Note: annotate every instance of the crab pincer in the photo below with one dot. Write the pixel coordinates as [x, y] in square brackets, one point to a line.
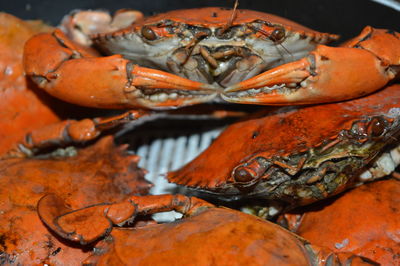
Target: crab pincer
[89, 224]
[78, 74]
[329, 74]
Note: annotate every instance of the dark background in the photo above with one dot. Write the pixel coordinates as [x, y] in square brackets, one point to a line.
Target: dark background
[345, 17]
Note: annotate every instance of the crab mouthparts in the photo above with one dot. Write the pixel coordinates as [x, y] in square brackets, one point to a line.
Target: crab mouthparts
[243, 76]
[224, 65]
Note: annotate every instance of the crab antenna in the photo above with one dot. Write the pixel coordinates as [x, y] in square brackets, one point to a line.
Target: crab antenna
[190, 46]
[233, 16]
[287, 51]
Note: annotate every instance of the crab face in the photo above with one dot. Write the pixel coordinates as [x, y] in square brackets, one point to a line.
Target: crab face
[203, 45]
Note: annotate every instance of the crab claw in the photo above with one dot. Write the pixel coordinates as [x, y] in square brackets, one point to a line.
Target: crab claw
[84, 225]
[328, 74]
[165, 89]
[89, 224]
[79, 75]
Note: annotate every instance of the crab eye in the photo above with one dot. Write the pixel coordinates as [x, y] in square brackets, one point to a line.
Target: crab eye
[278, 34]
[148, 33]
[251, 171]
[242, 175]
[377, 126]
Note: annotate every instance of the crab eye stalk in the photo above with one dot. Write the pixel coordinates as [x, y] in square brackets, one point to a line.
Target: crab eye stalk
[148, 33]
[278, 35]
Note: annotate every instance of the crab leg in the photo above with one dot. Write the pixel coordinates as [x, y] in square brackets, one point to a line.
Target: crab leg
[91, 223]
[78, 75]
[69, 132]
[328, 74]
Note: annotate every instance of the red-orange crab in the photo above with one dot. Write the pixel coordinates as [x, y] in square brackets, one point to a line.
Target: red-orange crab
[364, 221]
[99, 173]
[298, 155]
[185, 57]
[208, 235]
[20, 104]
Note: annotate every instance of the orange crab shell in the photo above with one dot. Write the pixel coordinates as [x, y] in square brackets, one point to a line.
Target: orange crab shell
[20, 103]
[100, 173]
[363, 221]
[219, 17]
[280, 133]
[215, 236]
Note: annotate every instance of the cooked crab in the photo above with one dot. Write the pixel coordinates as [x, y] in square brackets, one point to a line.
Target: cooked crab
[207, 234]
[363, 221]
[20, 102]
[191, 56]
[101, 172]
[298, 155]
[213, 50]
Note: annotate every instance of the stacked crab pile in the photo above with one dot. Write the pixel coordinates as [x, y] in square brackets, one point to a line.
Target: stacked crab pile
[90, 204]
